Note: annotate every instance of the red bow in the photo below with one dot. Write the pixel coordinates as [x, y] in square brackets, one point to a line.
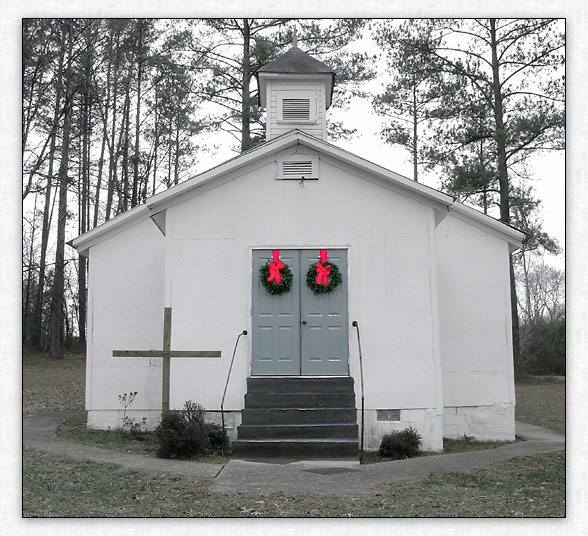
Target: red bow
[275, 267]
[322, 274]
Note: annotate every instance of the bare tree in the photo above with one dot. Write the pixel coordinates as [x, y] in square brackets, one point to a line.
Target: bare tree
[57, 295]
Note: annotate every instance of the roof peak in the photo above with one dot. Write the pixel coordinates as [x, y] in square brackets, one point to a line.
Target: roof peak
[296, 60]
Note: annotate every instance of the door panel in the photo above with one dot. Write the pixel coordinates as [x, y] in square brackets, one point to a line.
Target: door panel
[299, 332]
[276, 320]
[324, 337]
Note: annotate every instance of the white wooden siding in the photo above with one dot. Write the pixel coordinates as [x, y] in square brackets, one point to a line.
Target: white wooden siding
[278, 90]
[475, 326]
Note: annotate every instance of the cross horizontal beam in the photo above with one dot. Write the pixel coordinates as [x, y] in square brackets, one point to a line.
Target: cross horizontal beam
[163, 353]
[166, 353]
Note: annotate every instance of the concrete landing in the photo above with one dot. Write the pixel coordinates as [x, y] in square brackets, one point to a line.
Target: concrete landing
[350, 478]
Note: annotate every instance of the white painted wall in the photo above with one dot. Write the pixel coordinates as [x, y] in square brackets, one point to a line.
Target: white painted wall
[427, 422]
[484, 423]
[390, 241]
[125, 310]
[475, 326]
[277, 89]
[402, 272]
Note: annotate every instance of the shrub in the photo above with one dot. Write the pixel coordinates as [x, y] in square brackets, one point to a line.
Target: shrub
[402, 444]
[134, 429]
[184, 434]
[543, 348]
[217, 437]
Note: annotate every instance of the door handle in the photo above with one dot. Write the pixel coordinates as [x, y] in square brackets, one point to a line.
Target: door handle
[304, 321]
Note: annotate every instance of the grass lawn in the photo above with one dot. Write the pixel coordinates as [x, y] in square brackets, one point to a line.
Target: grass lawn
[55, 486]
[532, 486]
[52, 384]
[74, 429]
[541, 400]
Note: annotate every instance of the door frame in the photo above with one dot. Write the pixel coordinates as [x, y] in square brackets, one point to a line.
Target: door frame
[251, 249]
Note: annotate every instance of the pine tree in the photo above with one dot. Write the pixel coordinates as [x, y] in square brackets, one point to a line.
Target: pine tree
[58, 290]
[409, 102]
[509, 107]
[232, 50]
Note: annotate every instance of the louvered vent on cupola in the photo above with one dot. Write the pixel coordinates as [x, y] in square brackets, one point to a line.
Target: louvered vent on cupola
[296, 90]
[296, 109]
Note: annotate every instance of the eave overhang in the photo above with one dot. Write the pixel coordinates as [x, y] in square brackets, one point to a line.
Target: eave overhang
[153, 207]
[500, 229]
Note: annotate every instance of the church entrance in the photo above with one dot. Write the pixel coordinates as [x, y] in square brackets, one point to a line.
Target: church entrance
[299, 332]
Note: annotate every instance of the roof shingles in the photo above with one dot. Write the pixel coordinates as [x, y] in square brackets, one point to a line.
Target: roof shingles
[296, 61]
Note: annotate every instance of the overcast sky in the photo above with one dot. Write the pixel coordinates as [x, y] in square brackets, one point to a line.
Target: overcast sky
[547, 169]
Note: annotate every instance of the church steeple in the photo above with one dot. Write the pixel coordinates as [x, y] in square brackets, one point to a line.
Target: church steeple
[296, 91]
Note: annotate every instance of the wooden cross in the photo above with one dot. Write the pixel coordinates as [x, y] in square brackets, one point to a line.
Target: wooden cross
[166, 353]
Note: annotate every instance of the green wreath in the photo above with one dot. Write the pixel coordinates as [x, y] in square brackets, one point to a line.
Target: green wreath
[334, 278]
[270, 286]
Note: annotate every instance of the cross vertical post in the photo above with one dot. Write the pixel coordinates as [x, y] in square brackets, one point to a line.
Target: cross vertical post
[166, 354]
[167, 324]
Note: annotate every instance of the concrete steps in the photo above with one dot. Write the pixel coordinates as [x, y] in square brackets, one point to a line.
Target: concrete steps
[298, 400]
[307, 448]
[298, 431]
[298, 416]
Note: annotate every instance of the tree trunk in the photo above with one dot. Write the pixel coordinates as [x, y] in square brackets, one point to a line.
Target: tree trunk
[134, 197]
[104, 141]
[169, 153]
[245, 92]
[177, 155]
[38, 319]
[27, 327]
[57, 297]
[113, 161]
[500, 131]
[124, 198]
[84, 208]
[415, 151]
[38, 343]
[528, 310]
[155, 143]
[99, 181]
[500, 137]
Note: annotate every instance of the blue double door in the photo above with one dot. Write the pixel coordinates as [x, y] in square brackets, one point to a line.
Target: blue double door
[300, 333]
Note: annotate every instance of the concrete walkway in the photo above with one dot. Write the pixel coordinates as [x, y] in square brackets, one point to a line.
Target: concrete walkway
[39, 433]
[293, 475]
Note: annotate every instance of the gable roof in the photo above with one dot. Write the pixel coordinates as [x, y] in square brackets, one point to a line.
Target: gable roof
[157, 204]
[295, 62]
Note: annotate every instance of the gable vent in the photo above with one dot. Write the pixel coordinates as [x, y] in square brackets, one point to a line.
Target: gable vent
[296, 170]
[388, 414]
[296, 109]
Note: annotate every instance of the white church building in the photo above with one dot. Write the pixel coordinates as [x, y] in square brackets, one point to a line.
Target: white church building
[236, 249]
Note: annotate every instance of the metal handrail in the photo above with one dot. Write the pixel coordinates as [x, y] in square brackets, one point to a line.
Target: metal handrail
[244, 332]
[355, 324]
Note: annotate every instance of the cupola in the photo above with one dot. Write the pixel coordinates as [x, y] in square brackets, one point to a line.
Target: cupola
[296, 91]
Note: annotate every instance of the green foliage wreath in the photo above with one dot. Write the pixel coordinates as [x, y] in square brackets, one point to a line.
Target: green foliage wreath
[270, 286]
[334, 278]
